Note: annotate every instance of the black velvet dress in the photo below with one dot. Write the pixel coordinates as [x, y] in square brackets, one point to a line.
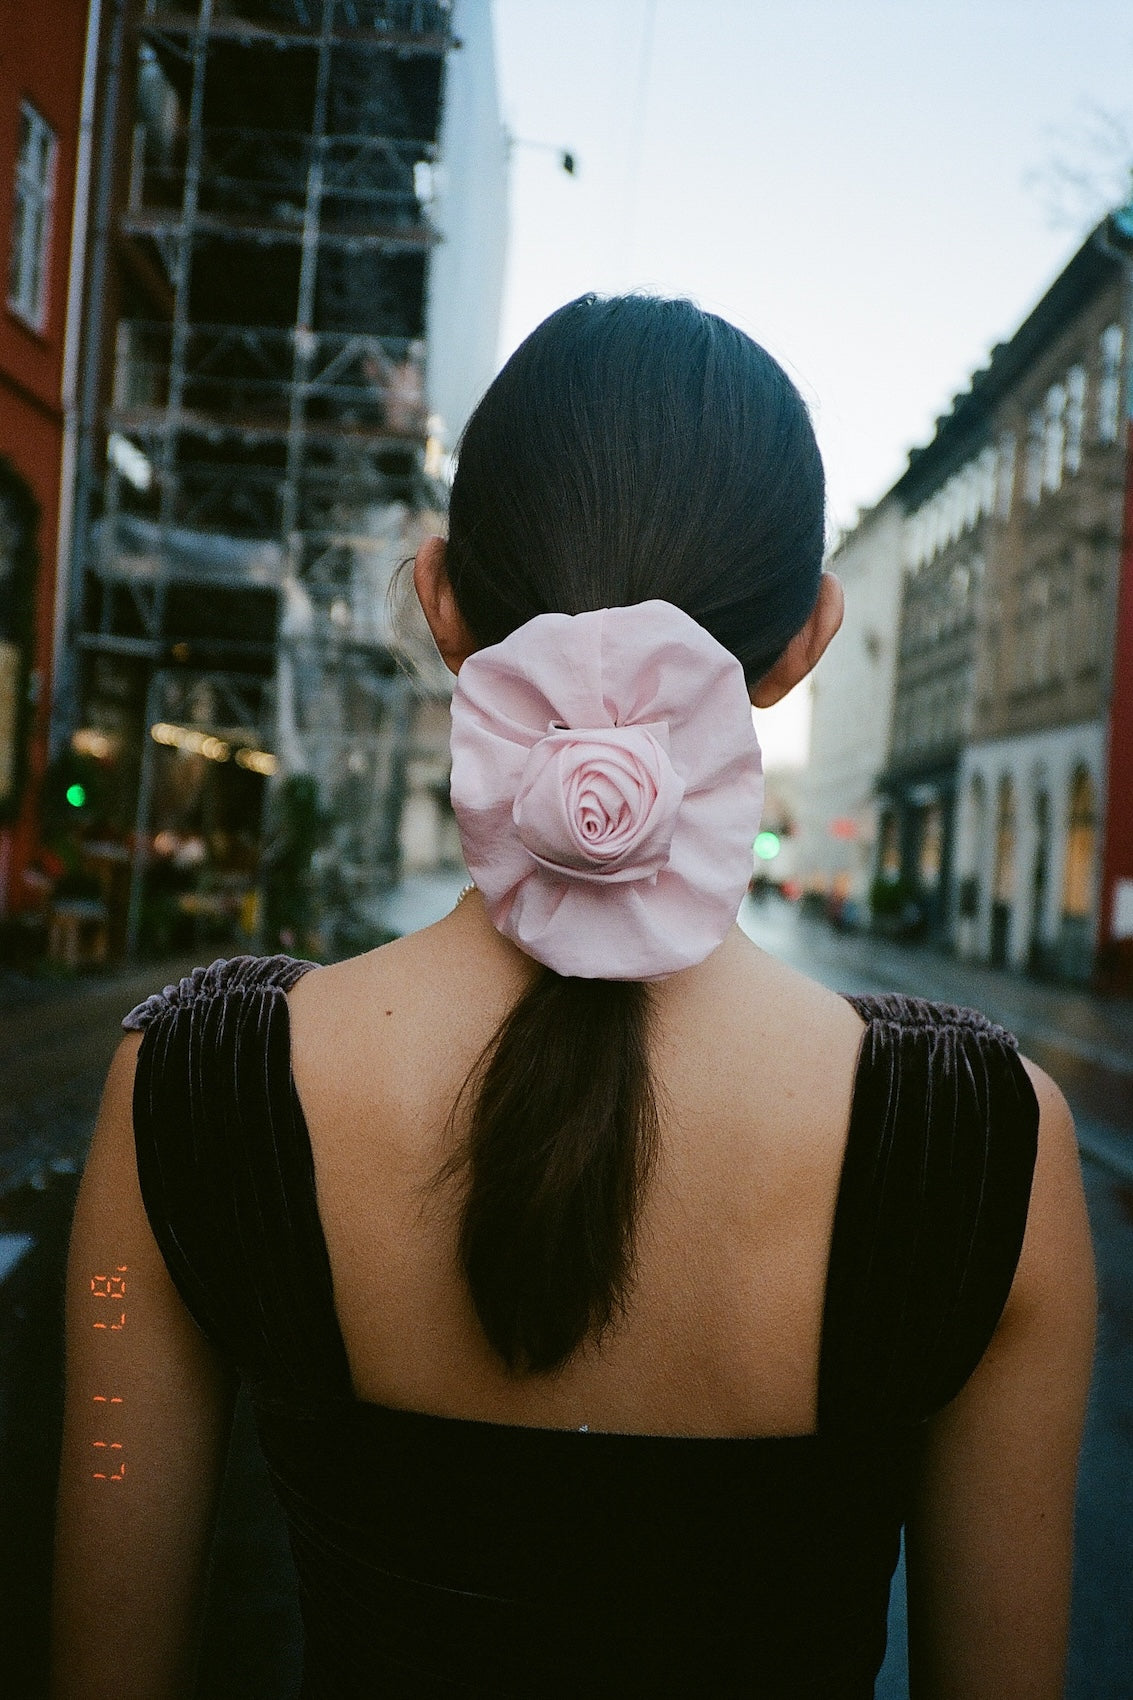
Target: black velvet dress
[447, 1558]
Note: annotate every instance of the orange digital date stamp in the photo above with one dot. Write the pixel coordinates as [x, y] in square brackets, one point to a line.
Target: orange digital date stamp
[112, 1290]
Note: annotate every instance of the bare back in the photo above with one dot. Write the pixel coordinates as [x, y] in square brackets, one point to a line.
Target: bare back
[755, 1069]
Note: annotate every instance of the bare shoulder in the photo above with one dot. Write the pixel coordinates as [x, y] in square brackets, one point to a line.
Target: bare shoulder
[440, 962]
[340, 990]
[1055, 1119]
[750, 1038]
[394, 1018]
[795, 1017]
[1056, 1272]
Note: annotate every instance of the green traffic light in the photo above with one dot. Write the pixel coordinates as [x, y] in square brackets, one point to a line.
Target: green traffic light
[76, 795]
[767, 846]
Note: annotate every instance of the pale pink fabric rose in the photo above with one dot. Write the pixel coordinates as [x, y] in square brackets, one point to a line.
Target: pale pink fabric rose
[607, 784]
[599, 805]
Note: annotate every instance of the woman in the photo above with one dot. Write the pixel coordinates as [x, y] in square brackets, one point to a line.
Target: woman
[610, 1295]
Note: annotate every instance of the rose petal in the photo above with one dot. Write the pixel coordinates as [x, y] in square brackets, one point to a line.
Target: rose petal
[598, 800]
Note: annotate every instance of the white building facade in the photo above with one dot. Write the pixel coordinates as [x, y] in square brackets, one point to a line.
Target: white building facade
[1031, 791]
[852, 693]
[1026, 858]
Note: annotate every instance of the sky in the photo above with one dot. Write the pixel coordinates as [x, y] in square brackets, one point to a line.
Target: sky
[877, 190]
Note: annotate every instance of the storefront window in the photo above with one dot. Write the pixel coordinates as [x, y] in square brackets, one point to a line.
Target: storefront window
[1078, 877]
[1005, 844]
[932, 842]
[976, 825]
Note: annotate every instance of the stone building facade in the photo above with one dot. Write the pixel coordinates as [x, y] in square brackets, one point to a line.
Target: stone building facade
[1033, 776]
[993, 795]
[952, 496]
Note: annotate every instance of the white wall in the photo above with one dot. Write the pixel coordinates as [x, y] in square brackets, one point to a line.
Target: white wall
[852, 697]
[469, 208]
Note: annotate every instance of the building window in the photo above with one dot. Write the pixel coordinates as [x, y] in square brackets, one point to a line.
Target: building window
[1054, 437]
[1075, 416]
[986, 482]
[1004, 887]
[931, 847]
[889, 861]
[1033, 472]
[914, 539]
[960, 588]
[975, 826]
[1005, 475]
[31, 218]
[1078, 874]
[1109, 388]
[968, 492]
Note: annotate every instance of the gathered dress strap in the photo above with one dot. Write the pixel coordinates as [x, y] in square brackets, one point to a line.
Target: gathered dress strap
[931, 1211]
[227, 1176]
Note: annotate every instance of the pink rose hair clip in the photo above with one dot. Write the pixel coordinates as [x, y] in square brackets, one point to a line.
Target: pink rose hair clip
[607, 784]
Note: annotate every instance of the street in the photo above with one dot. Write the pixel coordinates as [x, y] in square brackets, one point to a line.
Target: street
[55, 1042]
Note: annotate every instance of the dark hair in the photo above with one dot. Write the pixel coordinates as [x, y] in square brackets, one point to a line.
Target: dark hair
[631, 448]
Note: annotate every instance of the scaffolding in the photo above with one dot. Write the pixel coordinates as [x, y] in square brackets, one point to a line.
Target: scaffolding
[266, 430]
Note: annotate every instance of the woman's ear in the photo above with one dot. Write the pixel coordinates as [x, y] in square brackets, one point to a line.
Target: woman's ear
[805, 648]
[450, 633]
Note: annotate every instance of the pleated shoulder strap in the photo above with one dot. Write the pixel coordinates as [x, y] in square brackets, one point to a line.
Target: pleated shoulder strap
[931, 1211]
[227, 1176]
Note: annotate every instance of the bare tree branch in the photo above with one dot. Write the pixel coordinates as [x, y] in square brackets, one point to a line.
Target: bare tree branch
[1088, 169]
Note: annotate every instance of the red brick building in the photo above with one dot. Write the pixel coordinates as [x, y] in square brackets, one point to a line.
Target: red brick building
[41, 98]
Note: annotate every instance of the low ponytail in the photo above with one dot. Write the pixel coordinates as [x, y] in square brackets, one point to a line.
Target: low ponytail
[632, 450]
[560, 1144]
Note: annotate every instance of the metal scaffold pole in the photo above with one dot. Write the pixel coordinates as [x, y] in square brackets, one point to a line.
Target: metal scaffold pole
[65, 701]
[167, 466]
